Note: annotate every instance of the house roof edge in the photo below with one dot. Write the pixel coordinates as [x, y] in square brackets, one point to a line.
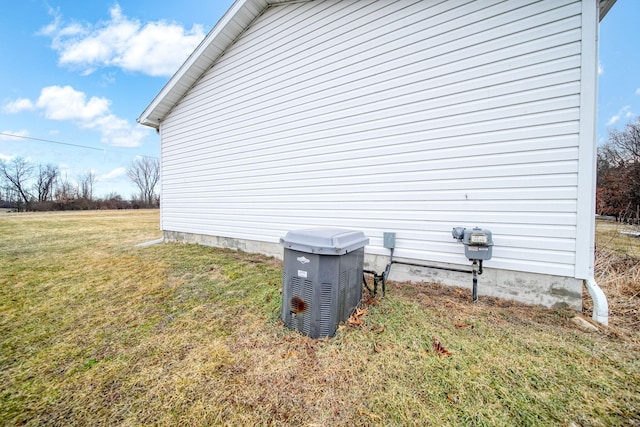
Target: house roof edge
[224, 33]
[605, 6]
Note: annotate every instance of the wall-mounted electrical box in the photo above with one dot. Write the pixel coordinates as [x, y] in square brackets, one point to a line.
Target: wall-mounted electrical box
[389, 240]
[478, 242]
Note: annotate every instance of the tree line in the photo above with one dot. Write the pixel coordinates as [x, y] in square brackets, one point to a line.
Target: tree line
[29, 187]
[618, 169]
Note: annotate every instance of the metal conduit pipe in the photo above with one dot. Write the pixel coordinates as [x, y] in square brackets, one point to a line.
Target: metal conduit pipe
[412, 264]
[477, 243]
[474, 271]
[387, 270]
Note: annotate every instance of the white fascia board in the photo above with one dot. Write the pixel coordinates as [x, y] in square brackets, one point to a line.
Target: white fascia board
[228, 28]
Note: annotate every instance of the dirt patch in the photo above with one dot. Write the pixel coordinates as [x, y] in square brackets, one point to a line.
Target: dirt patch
[457, 304]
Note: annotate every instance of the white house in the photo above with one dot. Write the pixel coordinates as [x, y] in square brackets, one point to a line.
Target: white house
[405, 116]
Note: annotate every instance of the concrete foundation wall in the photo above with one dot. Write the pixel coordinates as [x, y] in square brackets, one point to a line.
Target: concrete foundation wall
[529, 288]
[251, 246]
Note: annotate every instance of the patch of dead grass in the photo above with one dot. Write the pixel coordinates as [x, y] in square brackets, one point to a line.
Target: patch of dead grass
[617, 272]
[102, 333]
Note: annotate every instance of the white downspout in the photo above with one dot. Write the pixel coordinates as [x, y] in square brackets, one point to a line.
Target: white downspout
[600, 304]
[585, 239]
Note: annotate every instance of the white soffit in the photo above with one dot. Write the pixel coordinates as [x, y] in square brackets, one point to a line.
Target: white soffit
[605, 5]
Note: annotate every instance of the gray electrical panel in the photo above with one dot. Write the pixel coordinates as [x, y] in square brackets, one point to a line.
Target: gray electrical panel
[322, 279]
[389, 240]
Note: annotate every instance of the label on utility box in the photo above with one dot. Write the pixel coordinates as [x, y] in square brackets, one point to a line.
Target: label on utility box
[302, 273]
[478, 239]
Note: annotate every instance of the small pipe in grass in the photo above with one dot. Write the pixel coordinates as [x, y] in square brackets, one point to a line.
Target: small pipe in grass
[474, 291]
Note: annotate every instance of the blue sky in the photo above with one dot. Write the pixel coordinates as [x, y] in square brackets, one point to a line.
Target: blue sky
[81, 73]
[619, 73]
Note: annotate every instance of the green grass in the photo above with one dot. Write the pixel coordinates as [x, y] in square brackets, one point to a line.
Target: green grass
[96, 331]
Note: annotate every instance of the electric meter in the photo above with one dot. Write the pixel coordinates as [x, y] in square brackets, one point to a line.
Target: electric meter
[477, 242]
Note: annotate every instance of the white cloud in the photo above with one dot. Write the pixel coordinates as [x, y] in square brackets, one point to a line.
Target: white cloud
[113, 175]
[638, 91]
[600, 68]
[118, 132]
[624, 112]
[5, 157]
[613, 119]
[66, 103]
[154, 48]
[108, 78]
[20, 104]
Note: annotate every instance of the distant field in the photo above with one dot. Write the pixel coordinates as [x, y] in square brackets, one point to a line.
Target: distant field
[611, 235]
[95, 331]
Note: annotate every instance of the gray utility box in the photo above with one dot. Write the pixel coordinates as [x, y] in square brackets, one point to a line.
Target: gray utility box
[322, 279]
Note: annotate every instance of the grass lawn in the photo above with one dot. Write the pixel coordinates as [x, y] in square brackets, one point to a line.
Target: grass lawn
[96, 331]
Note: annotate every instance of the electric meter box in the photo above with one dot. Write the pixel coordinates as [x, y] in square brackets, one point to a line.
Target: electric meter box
[322, 278]
[478, 242]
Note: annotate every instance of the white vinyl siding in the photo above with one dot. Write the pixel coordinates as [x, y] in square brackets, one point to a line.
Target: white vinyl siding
[405, 116]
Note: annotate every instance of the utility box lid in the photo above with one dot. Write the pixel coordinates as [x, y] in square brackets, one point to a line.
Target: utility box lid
[324, 241]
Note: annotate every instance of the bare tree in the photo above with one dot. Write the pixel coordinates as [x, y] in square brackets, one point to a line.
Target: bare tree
[627, 143]
[619, 172]
[64, 192]
[7, 194]
[145, 174]
[85, 185]
[45, 181]
[17, 173]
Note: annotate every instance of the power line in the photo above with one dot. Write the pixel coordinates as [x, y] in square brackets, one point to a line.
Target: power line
[62, 143]
[51, 141]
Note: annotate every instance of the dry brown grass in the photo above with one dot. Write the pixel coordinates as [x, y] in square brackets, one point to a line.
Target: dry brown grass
[617, 272]
[96, 331]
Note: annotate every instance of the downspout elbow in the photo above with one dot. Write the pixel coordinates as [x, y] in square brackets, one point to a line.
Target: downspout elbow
[600, 304]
